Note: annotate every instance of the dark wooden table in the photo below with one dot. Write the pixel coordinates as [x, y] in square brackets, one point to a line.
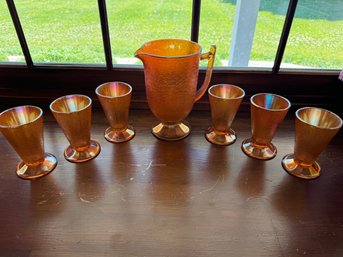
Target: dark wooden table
[188, 198]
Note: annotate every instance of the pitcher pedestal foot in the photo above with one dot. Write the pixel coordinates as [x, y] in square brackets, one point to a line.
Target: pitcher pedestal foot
[171, 132]
[83, 155]
[260, 152]
[25, 171]
[301, 171]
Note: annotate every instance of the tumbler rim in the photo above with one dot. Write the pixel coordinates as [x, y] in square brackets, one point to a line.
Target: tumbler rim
[65, 96]
[112, 97]
[272, 110]
[19, 107]
[322, 109]
[230, 85]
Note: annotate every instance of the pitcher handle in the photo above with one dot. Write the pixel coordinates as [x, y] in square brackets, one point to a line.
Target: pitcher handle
[210, 56]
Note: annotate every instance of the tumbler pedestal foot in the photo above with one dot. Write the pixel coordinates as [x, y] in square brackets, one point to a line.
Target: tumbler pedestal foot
[115, 136]
[220, 138]
[261, 152]
[41, 169]
[298, 170]
[83, 155]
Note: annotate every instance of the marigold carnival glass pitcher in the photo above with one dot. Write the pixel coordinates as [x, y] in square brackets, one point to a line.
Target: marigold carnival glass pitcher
[171, 69]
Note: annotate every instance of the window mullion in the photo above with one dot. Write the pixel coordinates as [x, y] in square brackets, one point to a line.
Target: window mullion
[105, 33]
[284, 35]
[195, 20]
[20, 33]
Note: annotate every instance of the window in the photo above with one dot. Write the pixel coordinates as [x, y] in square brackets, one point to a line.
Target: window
[62, 31]
[132, 23]
[315, 40]
[10, 47]
[247, 33]
[76, 47]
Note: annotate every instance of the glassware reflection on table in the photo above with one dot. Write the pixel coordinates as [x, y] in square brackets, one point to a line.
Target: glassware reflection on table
[23, 128]
[171, 68]
[115, 100]
[267, 112]
[225, 100]
[314, 129]
[73, 114]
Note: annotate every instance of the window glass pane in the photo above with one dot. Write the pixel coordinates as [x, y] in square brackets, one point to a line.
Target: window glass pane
[132, 23]
[316, 36]
[9, 44]
[253, 41]
[62, 30]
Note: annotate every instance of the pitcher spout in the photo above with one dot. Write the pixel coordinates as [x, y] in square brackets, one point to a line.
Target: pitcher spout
[140, 54]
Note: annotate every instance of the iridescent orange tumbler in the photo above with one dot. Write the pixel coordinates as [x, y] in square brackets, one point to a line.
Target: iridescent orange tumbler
[23, 128]
[115, 100]
[267, 112]
[171, 68]
[225, 100]
[314, 129]
[73, 114]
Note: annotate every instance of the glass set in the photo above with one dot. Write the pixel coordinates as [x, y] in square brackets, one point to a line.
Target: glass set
[171, 68]
[23, 128]
[314, 128]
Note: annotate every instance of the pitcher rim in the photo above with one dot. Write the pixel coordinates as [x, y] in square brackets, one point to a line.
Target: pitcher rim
[170, 57]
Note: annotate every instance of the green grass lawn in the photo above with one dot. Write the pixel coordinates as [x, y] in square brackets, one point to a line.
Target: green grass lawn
[69, 31]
